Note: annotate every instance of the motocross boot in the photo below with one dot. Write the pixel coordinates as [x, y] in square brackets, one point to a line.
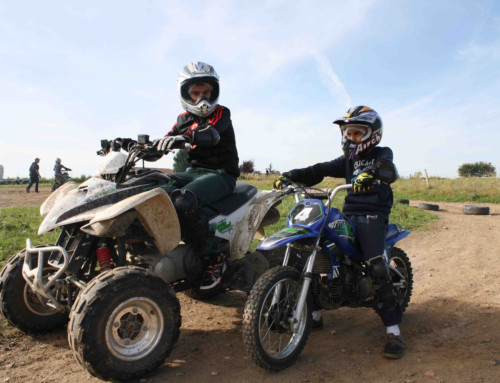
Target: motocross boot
[395, 347]
[382, 284]
[194, 230]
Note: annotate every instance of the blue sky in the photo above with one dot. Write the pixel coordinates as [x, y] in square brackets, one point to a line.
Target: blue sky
[72, 73]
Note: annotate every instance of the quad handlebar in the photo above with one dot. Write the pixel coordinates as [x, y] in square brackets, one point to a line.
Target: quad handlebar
[140, 149]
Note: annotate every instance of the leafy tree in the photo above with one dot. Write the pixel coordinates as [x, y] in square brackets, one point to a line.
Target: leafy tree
[247, 167]
[477, 169]
[181, 162]
[270, 169]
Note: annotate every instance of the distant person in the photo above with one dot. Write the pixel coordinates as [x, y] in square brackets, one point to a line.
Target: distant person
[60, 176]
[34, 175]
[58, 168]
[367, 206]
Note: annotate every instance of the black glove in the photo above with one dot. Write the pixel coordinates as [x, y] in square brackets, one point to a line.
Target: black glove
[284, 180]
[364, 181]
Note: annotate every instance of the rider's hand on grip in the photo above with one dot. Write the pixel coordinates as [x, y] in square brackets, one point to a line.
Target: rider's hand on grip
[166, 143]
[363, 182]
[284, 180]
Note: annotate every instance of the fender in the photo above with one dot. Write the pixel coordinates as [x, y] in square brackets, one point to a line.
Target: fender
[255, 218]
[394, 235]
[286, 235]
[55, 196]
[155, 211]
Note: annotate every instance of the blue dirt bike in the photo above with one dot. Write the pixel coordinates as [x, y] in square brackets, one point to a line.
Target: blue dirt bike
[322, 265]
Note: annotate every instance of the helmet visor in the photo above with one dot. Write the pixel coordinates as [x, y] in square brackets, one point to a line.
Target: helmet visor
[195, 90]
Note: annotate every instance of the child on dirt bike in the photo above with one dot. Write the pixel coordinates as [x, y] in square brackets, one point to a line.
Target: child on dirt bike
[367, 205]
[213, 157]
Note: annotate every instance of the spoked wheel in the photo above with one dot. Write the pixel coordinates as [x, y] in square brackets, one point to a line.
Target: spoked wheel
[20, 305]
[402, 276]
[124, 324]
[271, 339]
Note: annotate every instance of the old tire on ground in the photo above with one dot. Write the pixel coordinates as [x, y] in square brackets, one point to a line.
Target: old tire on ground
[428, 206]
[402, 201]
[399, 260]
[476, 210]
[20, 306]
[124, 324]
[265, 322]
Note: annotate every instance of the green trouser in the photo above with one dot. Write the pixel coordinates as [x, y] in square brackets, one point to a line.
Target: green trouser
[208, 185]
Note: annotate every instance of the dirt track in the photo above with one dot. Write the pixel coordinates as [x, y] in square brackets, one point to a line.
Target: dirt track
[452, 326]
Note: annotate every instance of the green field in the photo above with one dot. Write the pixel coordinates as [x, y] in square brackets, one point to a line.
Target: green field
[17, 224]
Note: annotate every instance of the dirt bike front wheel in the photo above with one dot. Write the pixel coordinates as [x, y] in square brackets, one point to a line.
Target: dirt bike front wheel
[267, 332]
[124, 324]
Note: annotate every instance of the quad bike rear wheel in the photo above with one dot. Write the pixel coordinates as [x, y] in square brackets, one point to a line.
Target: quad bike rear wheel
[124, 324]
[20, 305]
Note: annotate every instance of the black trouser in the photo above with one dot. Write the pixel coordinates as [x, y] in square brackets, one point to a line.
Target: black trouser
[371, 231]
[33, 180]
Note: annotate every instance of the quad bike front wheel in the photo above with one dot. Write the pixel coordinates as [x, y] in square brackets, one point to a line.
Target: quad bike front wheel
[267, 330]
[124, 324]
[20, 305]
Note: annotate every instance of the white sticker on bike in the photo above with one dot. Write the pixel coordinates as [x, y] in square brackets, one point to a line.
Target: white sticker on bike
[304, 214]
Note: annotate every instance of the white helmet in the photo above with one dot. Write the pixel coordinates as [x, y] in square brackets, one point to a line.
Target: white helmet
[198, 73]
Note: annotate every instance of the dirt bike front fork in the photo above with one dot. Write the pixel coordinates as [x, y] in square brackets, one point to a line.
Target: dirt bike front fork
[294, 320]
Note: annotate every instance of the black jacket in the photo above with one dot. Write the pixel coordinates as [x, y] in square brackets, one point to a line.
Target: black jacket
[224, 154]
[34, 170]
[378, 199]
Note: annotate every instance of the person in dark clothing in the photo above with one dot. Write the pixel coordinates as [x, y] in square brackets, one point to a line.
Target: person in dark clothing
[213, 156]
[59, 167]
[367, 205]
[34, 175]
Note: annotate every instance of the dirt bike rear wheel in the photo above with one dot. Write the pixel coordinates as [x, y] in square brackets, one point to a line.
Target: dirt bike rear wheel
[399, 259]
[266, 330]
[124, 324]
[19, 304]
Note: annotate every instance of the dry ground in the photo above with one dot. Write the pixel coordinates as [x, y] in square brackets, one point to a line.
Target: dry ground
[452, 326]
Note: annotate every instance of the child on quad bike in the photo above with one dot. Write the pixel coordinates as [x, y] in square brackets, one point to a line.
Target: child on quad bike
[213, 160]
[367, 206]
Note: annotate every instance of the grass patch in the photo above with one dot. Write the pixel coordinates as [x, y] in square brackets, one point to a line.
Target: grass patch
[17, 224]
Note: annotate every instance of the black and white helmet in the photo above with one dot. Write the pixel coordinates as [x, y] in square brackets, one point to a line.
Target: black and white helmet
[369, 121]
[198, 73]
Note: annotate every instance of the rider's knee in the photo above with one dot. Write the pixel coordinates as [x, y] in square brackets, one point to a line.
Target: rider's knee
[184, 200]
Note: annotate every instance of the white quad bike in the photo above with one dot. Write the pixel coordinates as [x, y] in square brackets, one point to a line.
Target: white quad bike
[119, 261]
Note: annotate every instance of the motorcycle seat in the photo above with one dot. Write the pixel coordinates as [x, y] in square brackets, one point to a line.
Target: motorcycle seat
[242, 193]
